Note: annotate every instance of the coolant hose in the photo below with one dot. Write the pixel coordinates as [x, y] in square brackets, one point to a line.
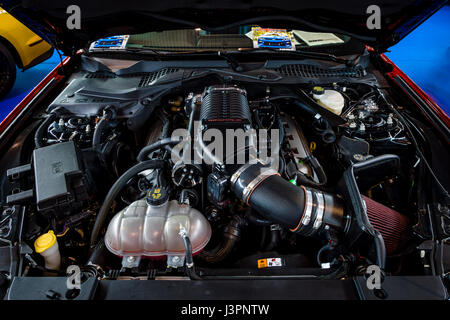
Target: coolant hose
[109, 113]
[190, 268]
[318, 169]
[322, 126]
[99, 128]
[301, 209]
[232, 236]
[147, 150]
[195, 109]
[274, 240]
[115, 190]
[166, 125]
[97, 255]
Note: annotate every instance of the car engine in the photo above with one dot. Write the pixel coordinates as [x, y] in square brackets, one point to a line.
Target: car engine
[212, 180]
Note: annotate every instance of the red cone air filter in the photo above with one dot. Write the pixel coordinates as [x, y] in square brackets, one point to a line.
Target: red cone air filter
[391, 224]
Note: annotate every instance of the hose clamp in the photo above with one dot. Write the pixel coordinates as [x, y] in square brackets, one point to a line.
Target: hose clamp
[238, 172]
[308, 208]
[320, 210]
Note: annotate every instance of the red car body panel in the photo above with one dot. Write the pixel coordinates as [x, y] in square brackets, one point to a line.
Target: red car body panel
[396, 72]
[22, 104]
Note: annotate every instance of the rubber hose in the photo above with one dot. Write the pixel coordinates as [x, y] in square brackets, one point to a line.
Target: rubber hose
[231, 237]
[40, 132]
[39, 136]
[254, 219]
[190, 268]
[322, 250]
[97, 255]
[188, 249]
[115, 190]
[318, 169]
[195, 109]
[224, 251]
[109, 113]
[147, 150]
[327, 134]
[274, 240]
[166, 125]
[99, 128]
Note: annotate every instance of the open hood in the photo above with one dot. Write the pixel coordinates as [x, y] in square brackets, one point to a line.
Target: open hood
[48, 18]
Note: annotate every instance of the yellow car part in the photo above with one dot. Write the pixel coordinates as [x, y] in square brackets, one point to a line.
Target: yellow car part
[27, 48]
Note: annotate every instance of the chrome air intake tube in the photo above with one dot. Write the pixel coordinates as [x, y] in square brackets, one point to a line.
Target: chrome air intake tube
[301, 209]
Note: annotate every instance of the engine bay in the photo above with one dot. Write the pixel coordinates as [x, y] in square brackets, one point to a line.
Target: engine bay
[212, 179]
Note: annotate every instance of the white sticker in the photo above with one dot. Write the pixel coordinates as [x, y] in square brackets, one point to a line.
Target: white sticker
[274, 262]
[317, 38]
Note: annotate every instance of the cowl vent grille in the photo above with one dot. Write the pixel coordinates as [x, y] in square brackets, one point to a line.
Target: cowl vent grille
[146, 78]
[100, 75]
[308, 71]
[149, 78]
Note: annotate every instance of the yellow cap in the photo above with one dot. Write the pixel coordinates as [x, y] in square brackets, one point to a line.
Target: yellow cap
[318, 90]
[45, 241]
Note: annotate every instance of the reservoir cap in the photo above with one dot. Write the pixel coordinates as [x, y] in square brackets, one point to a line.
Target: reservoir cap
[45, 241]
[157, 196]
[318, 90]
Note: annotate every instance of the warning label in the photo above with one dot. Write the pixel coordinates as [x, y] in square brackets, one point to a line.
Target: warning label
[269, 262]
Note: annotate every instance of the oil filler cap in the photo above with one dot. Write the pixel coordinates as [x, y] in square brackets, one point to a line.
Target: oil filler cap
[157, 196]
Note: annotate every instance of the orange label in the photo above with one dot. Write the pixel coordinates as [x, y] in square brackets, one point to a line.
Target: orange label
[262, 263]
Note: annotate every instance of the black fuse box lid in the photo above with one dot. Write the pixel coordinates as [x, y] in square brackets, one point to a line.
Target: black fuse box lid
[55, 167]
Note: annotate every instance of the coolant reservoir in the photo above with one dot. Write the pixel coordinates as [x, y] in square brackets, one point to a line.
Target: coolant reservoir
[330, 99]
[153, 230]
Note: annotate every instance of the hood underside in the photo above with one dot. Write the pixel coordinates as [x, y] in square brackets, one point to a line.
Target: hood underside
[105, 18]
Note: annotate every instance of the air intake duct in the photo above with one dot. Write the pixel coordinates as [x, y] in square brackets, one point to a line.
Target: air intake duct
[301, 209]
[392, 225]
